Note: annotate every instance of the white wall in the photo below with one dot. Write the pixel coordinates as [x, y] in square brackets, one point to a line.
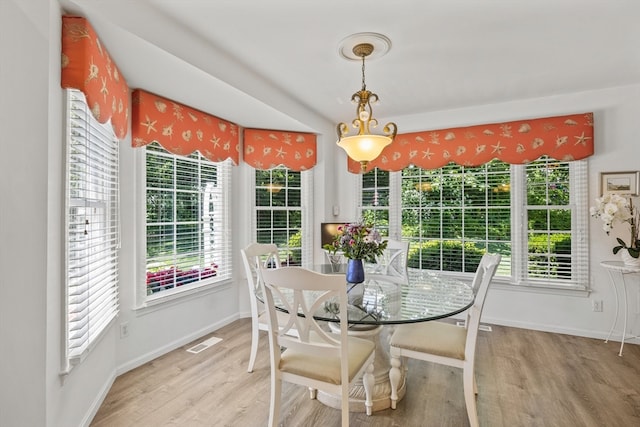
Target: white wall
[24, 146]
[31, 250]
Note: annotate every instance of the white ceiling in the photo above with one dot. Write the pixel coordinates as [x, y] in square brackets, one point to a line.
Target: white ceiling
[275, 63]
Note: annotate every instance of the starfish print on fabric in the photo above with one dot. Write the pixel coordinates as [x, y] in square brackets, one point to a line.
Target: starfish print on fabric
[427, 154]
[497, 148]
[582, 139]
[215, 140]
[280, 152]
[150, 124]
[104, 90]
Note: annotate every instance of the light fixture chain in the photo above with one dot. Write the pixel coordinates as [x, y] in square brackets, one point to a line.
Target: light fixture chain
[364, 86]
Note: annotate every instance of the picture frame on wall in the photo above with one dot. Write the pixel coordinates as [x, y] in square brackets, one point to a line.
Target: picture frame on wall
[624, 183]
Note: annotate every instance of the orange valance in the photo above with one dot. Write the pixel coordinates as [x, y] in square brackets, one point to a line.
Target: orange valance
[87, 66]
[181, 129]
[266, 149]
[563, 138]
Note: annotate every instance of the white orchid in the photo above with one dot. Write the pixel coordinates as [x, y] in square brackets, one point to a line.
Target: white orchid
[612, 209]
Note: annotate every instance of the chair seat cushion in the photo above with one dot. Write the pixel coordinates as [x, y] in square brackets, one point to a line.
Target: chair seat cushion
[326, 369]
[439, 338]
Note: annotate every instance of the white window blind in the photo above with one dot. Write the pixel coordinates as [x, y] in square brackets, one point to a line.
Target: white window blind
[375, 198]
[92, 227]
[188, 223]
[535, 215]
[453, 215]
[555, 207]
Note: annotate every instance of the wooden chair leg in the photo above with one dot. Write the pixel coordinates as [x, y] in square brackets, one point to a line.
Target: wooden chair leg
[275, 401]
[254, 346]
[368, 380]
[395, 375]
[470, 397]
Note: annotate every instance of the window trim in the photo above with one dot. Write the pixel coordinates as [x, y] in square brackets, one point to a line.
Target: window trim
[518, 281]
[108, 285]
[145, 303]
[306, 202]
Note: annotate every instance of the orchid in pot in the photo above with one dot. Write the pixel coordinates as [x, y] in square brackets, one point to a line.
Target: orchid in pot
[614, 208]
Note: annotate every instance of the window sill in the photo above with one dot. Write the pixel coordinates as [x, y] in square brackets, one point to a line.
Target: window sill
[179, 296]
[541, 288]
[532, 287]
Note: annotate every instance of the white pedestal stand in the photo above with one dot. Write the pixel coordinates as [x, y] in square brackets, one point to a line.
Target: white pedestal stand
[618, 269]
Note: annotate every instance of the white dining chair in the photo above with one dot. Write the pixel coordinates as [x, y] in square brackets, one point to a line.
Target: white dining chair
[317, 358]
[446, 343]
[254, 256]
[393, 261]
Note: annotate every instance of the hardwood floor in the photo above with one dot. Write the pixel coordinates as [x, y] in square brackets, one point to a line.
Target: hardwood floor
[525, 378]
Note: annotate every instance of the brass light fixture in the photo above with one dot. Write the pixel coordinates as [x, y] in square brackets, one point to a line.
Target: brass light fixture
[364, 147]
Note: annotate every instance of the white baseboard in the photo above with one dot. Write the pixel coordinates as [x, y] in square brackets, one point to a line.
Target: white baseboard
[139, 361]
[586, 333]
[95, 405]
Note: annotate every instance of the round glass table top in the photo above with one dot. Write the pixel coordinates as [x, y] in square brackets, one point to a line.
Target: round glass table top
[379, 300]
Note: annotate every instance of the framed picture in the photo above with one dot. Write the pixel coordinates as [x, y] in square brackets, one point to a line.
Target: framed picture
[619, 183]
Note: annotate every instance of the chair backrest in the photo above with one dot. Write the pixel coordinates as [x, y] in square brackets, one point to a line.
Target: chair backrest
[393, 261]
[484, 274]
[304, 293]
[254, 256]
[397, 253]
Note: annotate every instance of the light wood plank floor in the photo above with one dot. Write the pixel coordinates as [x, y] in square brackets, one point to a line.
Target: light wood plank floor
[525, 378]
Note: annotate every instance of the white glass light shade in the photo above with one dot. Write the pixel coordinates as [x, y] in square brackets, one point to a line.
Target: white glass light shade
[364, 148]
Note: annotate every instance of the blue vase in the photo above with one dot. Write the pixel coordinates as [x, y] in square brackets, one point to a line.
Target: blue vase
[355, 271]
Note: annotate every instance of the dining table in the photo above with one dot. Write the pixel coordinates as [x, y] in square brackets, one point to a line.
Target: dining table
[379, 303]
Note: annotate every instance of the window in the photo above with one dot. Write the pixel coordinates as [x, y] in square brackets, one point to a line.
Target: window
[453, 215]
[534, 215]
[282, 203]
[187, 221]
[92, 229]
[375, 199]
[555, 207]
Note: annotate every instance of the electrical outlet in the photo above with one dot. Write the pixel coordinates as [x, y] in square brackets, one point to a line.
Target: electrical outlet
[597, 305]
[124, 329]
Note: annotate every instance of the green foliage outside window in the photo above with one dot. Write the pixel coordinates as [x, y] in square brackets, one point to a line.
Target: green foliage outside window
[454, 214]
[278, 195]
